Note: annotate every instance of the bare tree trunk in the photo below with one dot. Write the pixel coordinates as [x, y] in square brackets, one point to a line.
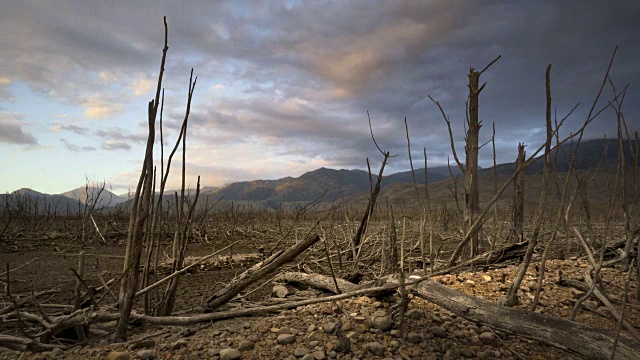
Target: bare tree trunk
[139, 215]
[517, 234]
[471, 196]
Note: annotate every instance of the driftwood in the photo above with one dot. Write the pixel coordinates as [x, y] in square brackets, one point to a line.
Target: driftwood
[570, 336]
[228, 293]
[317, 281]
[490, 258]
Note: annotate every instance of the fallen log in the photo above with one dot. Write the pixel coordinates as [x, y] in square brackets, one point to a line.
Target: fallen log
[228, 293]
[316, 281]
[490, 257]
[570, 336]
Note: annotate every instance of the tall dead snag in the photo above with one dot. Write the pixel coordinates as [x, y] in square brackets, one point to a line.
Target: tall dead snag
[511, 298]
[517, 233]
[139, 214]
[362, 229]
[470, 169]
[471, 195]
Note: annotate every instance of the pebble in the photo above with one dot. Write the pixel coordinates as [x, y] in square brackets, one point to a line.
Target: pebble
[246, 345]
[329, 328]
[415, 314]
[300, 351]
[488, 338]
[280, 291]
[230, 354]
[375, 347]
[414, 337]
[319, 355]
[118, 355]
[381, 320]
[285, 339]
[439, 331]
[178, 344]
[146, 354]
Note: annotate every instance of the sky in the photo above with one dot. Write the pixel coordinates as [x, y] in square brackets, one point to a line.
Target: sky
[284, 86]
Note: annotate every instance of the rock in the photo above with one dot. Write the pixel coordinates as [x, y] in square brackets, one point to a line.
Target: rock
[327, 310]
[146, 344]
[532, 285]
[488, 338]
[300, 351]
[285, 339]
[347, 326]
[146, 354]
[230, 354]
[466, 352]
[57, 352]
[414, 337]
[415, 314]
[470, 283]
[486, 278]
[280, 291]
[178, 344]
[362, 328]
[329, 328]
[319, 355]
[439, 331]
[375, 347]
[213, 352]
[103, 343]
[381, 320]
[246, 345]
[118, 355]
[308, 357]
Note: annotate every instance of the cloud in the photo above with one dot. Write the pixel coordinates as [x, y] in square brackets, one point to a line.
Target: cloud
[76, 148]
[12, 131]
[57, 127]
[143, 86]
[5, 93]
[115, 145]
[295, 82]
[117, 139]
[97, 108]
[119, 134]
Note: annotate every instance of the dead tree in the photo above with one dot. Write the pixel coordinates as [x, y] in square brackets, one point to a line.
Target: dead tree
[470, 169]
[517, 233]
[139, 214]
[373, 196]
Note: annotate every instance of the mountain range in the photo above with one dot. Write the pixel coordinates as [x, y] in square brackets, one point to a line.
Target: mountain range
[331, 184]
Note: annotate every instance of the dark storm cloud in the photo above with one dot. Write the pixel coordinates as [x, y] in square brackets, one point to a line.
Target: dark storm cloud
[301, 78]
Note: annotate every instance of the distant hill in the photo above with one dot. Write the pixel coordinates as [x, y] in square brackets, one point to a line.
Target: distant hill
[344, 184]
[85, 195]
[590, 154]
[25, 199]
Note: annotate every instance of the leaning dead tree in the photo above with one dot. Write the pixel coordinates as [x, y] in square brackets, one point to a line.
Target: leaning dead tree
[373, 197]
[471, 148]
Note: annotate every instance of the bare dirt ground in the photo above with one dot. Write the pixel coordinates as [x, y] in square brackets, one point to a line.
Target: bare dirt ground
[315, 331]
